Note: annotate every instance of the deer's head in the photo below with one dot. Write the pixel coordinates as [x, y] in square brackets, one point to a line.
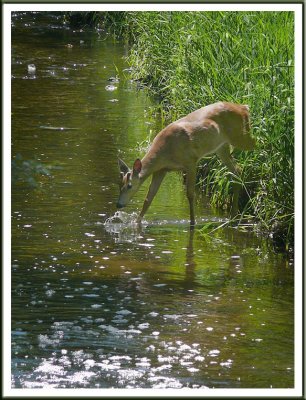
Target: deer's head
[129, 181]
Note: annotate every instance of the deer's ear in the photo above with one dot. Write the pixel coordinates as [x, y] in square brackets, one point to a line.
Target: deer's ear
[123, 167]
[137, 167]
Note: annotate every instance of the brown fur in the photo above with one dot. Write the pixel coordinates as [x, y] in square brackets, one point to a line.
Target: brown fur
[180, 146]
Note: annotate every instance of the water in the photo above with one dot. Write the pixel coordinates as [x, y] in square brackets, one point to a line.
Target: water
[97, 301]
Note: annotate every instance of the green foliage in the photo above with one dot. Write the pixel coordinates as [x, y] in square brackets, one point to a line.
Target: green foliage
[30, 172]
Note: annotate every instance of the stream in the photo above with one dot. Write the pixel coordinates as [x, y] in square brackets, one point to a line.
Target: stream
[98, 302]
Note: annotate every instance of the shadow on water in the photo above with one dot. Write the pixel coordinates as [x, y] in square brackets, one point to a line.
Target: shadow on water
[97, 301]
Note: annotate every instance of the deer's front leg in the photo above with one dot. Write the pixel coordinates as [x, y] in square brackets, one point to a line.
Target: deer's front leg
[190, 183]
[157, 179]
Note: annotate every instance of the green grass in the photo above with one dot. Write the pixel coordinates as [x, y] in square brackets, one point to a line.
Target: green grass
[191, 59]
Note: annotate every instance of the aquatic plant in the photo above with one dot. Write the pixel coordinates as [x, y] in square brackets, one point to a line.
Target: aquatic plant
[30, 172]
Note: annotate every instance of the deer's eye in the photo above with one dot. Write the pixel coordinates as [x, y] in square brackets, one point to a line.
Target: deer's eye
[129, 186]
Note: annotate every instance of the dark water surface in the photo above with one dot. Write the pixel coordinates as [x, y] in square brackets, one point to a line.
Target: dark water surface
[101, 305]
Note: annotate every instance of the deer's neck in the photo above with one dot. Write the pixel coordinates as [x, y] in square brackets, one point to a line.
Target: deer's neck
[151, 163]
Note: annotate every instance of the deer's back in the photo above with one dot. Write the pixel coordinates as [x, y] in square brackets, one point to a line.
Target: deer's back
[201, 132]
[228, 122]
[223, 113]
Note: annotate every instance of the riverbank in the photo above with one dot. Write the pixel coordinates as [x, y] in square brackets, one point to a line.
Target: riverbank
[190, 59]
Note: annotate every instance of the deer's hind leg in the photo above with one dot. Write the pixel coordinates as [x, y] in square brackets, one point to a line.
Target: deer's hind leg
[225, 156]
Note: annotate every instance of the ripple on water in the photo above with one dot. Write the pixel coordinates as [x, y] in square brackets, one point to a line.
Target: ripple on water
[95, 306]
[78, 368]
[124, 312]
[214, 353]
[143, 362]
[126, 376]
[81, 377]
[119, 320]
[144, 325]
[47, 367]
[46, 341]
[162, 382]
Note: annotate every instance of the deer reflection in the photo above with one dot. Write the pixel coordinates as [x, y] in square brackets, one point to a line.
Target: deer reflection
[123, 232]
[190, 274]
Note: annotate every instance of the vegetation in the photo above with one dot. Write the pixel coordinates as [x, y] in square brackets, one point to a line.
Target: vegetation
[30, 172]
[190, 59]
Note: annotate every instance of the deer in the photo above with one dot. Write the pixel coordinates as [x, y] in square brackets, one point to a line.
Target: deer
[212, 129]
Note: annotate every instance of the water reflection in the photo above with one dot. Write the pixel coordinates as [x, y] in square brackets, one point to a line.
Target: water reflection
[190, 261]
[97, 300]
[150, 323]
